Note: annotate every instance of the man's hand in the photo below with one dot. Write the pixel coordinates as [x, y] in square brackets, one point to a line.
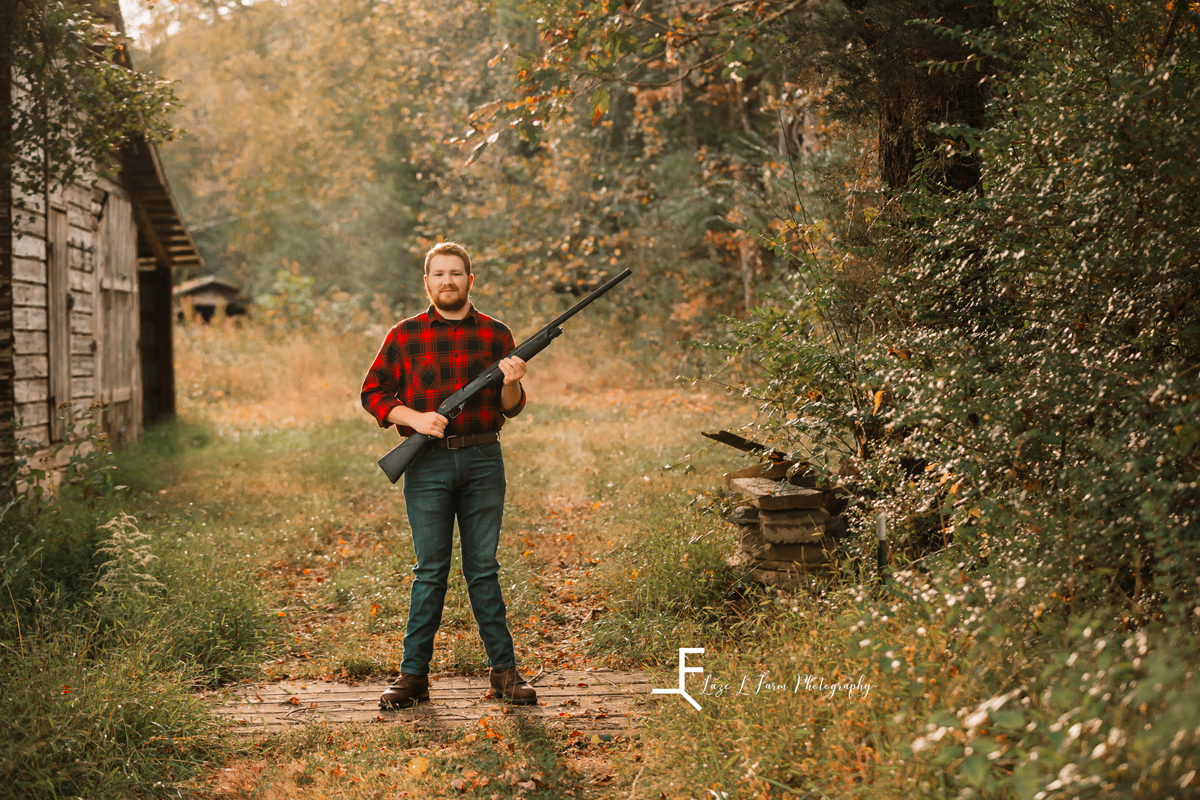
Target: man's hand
[429, 423]
[510, 393]
[513, 368]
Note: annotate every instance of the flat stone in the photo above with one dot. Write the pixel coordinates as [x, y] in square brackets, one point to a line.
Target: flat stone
[750, 536]
[743, 515]
[813, 555]
[794, 527]
[786, 580]
[780, 552]
[751, 539]
[768, 495]
[793, 575]
[836, 527]
[775, 471]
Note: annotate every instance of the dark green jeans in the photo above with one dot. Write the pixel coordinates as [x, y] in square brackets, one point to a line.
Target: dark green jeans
[441, 486]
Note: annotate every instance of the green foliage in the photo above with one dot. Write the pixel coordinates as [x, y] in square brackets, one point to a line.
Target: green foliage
[105, 635]
[73, 725]
[290, 301]
[76, 101]
[374, 176]
[1028, 367]
[1055, 315]
[1010, 375]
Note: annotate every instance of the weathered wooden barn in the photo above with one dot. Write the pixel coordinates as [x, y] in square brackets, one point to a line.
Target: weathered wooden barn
[209, 296]
[86, 300]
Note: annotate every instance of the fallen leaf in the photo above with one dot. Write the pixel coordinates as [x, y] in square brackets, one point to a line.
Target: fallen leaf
[418, 766]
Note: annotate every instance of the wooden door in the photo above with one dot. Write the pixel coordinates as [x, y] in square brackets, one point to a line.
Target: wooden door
[118, 326]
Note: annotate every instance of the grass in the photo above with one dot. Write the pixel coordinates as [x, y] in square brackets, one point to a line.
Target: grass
[86, 717]
[282, 551]
[498, 759]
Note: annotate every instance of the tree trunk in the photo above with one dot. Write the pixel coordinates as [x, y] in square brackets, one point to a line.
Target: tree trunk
[746, 252]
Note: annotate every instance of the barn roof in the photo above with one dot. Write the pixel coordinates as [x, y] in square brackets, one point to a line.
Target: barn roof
[165, 240]
[209, 282]
[165, 237]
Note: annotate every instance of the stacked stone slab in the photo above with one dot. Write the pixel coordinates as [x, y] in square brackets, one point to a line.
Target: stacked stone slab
[785, 527]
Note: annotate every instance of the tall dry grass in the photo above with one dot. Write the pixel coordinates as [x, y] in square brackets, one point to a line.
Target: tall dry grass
[241, 373]
[246, 373]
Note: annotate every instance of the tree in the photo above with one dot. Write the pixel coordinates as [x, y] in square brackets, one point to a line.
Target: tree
[875, 57]
[71, 99]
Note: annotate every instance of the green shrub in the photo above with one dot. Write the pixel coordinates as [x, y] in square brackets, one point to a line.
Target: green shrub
[108, 637]
[77, 720]
[1010, 375]
[1020, 377]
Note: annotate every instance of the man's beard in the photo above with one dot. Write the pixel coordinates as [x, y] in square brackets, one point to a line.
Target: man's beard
[456, 304]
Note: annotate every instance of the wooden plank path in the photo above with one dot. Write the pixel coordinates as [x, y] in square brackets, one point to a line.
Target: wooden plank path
[587, 701]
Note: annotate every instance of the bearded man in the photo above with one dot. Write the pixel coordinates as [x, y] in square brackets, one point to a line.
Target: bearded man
[423, 360]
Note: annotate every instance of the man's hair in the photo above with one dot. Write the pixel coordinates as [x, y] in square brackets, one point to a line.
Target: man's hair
[448, 249]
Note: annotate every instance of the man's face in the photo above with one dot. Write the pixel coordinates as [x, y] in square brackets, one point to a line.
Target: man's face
[447, 282]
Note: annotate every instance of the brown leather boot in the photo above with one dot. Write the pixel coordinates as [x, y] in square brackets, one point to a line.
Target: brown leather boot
[508, 685]
[406, 692]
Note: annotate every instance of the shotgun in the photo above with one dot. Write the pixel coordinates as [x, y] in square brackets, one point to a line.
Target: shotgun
[397, 460]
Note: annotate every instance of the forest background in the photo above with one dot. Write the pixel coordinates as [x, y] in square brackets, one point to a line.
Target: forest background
[328, 143]
[946, 249]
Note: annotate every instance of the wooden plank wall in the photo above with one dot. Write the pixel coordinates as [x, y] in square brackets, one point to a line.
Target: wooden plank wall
[7, 400]
[55, 329]
[59, 304]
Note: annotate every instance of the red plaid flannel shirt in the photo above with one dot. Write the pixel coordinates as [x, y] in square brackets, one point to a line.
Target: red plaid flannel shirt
[424, 359]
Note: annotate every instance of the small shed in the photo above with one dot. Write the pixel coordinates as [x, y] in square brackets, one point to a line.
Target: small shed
[86, 299]
[205, 296]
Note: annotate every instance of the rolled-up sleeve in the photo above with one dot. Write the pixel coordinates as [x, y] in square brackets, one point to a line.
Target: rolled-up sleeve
[381, 387]
[512, 412]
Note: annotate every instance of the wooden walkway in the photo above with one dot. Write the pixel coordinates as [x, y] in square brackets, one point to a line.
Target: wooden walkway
[588, 702]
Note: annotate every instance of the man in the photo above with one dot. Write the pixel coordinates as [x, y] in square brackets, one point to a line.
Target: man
[424, 359]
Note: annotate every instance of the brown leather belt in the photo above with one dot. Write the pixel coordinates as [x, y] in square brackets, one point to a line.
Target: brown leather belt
[470, 440]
